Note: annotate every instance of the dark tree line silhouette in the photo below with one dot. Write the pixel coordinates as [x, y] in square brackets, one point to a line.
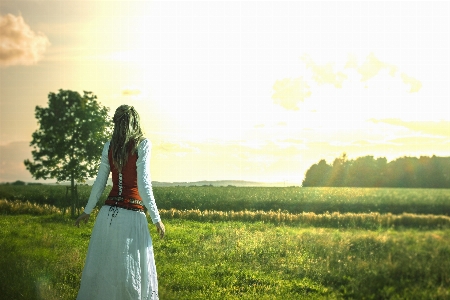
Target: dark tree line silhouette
[366, 171]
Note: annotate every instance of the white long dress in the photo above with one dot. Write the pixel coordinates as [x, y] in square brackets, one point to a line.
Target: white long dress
[120, 262]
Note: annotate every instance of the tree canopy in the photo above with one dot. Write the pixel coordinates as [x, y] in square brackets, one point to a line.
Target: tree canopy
[366, 171]
[69, 141]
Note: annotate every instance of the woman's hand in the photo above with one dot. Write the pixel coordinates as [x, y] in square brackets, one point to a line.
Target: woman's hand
[161, 229]
[84, 217]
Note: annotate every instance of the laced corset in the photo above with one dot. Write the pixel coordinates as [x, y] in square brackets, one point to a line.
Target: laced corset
[133, 184]
[125, 182]
[124, 193]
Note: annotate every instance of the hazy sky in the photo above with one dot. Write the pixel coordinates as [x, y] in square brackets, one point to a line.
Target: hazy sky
[245, 90]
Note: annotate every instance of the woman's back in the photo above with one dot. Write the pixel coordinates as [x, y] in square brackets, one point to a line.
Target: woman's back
[124, 182]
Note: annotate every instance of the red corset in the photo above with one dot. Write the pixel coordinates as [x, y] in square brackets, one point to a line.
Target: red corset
[125, 183]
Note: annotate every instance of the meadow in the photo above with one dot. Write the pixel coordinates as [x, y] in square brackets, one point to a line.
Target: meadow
[317, 200]
[253, 243]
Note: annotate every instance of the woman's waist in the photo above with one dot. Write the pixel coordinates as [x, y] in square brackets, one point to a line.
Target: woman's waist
[125, 202]
[128, 192]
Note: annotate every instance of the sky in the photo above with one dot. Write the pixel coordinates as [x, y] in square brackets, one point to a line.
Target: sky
[235, 90]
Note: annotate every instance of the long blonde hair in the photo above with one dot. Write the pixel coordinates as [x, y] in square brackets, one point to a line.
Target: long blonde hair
[126, 136]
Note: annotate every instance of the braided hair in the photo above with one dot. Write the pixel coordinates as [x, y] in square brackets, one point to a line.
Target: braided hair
[126, 136]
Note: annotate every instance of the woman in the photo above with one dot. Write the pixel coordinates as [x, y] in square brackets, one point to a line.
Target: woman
[120, 262]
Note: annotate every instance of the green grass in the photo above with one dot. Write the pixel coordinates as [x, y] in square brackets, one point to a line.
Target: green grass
[292, 199]
[246, 243]
[297, 199]
[42, 258]
[44, 194]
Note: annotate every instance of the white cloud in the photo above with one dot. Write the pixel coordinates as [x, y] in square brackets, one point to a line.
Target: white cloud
[19, 44]
[371, 67]
[435, 128]
[414, 83]
[131, 92]
[289, 92]
[324, 73]
[175, 147]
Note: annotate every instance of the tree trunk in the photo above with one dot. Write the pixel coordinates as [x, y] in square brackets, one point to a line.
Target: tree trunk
[72, 196]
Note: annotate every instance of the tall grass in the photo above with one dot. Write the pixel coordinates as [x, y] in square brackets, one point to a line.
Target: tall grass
[25, 207]
[291, 199]
[371, 221]
[329, 220]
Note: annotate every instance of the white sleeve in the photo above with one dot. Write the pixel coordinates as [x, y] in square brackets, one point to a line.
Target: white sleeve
[100, 182]
[144, 181]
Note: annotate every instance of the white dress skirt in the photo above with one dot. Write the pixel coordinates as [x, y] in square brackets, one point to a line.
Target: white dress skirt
[120, 263]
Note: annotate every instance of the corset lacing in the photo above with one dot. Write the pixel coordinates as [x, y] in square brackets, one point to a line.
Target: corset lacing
[114, 209]
[115, 212]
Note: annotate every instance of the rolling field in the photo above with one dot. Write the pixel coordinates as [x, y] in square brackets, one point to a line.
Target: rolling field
[250, 243]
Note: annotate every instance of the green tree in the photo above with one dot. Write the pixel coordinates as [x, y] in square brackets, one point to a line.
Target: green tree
[407, 172]
[366, 172]
[18, 182]
[338, 176]
[72, 132]
[317, 175]
[403, 172]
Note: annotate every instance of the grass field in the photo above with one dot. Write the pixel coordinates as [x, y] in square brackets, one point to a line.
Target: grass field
[290, 199]
[220, 254]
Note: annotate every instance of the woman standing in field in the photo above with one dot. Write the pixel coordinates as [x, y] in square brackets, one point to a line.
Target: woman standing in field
[120, 262]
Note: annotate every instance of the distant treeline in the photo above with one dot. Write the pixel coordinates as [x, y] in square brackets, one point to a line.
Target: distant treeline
[411, 172]
[20, 182]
